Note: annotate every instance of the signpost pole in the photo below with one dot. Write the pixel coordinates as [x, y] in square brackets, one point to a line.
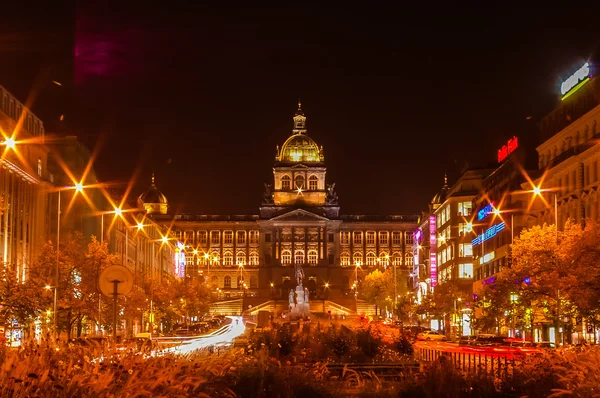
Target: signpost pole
[115, 295]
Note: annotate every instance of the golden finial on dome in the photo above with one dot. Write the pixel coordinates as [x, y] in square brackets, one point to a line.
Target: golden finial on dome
[299, 104]
[152, 178]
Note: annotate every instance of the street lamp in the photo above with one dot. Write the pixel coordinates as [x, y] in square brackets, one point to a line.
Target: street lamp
[48, 287]
[356, 284]
[241, 266]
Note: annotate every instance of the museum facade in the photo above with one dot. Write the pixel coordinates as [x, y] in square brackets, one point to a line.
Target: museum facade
[299, 224]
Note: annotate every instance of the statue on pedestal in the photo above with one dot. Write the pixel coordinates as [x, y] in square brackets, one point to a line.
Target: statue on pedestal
[299, 275]
[306, 294]
[291, 297]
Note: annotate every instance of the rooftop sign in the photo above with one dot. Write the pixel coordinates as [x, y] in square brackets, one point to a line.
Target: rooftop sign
[507, 149]
[488, 234]
[575, 81]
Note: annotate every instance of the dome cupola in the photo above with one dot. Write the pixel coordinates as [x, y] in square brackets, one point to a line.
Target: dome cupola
[299, 147]
[153, 201]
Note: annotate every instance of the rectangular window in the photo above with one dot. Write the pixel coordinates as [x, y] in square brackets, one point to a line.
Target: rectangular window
[408, 238]
[465, 271]
[202, 237]
[215, 237]
[444, 259]
[465, 209]
[358, 238]
[370, 238]
[463, 229]
[345, 237]
[228, 237]
[383, 238]
[396, 238]
[253, 237]
[268, 238]
[241, 237]
[465, 250]
[330, 238]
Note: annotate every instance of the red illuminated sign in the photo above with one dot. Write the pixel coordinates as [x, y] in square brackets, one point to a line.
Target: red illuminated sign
[508, 148]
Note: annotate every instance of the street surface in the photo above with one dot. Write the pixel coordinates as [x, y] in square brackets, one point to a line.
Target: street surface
[222, 336]
[473, 350]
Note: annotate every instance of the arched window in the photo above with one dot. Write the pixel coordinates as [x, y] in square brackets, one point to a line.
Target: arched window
[214, 281]
[408, 259]
[227, 259]
[299, 257]
[286, 183]
[240, 258]
[299, 181]
[253, 258]
[313, 183]
[253, 282]
[227, 281]
[214, 258]
[240, 281]
[371, 258]
[345, 259]
[286, 257]
[396, 259]
[357, 258]
[384, 259]
[312, 257]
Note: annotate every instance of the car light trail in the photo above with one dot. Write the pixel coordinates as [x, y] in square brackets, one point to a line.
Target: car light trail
[222, 336]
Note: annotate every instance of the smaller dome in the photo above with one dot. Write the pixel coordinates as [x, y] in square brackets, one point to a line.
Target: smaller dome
[440, 197]
[153, 200]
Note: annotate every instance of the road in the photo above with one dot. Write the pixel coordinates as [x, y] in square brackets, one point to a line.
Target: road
[221, 336]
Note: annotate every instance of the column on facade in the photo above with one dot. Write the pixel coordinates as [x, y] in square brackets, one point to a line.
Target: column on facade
[319, 239]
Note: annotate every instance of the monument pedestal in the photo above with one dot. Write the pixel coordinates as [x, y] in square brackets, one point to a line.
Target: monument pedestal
[301, 308]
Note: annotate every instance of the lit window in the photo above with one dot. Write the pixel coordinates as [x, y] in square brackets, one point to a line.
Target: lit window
[396, 259]
[312, 257]
[240, 258]
[464, 228]
[253, 260]
[371, 258]
[286, 183]
[214, 237]
[299, 181]
[188, 237]
[383, 238]
[344, 237]
[408, 237]
[228, 259]
[357, 258]
[227, 281]
[345, 259]
[384, 259]
[241, 237]
[286, 257]
[189, 259]
[39, 167]
[253, 237]
[408, 259]
[299, 257]
[465, 250]
[370, 238]
[228, 237]
[313, 183]
[465, 208]
[240, 281]
[396, 238]
[358, 238]
[465, 271]
[202, 237]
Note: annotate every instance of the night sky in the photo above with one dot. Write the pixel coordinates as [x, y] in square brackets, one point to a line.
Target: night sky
[396, 96]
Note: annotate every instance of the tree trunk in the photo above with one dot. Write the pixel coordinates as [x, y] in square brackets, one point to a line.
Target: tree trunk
[79, 326]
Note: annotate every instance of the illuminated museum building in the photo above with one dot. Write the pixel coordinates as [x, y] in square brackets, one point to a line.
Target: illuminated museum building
[569, 154]
[299, 222]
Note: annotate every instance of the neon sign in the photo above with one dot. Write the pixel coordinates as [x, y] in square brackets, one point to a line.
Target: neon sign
[575, 81]
[180, 260]
[489, 233]
[507, 149]
[483, 213]
[432, 250]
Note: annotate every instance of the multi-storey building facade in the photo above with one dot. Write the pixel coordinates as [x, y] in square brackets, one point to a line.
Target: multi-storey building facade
[24, 183]
[299, 224]
[569, 154]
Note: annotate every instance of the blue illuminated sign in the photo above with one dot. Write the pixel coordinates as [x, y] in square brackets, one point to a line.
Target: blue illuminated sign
[490, 233]
[483, 213]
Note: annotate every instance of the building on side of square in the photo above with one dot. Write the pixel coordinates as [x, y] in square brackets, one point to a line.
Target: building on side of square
[298, 224]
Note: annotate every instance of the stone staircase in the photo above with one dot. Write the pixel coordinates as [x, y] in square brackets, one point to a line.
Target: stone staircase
[365, 308]
[227, 307]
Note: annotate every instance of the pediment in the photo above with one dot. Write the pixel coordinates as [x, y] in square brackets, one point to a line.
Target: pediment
[299, 215]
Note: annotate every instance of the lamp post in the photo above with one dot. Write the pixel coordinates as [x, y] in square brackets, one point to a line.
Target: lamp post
[241, 266]
[357, 265]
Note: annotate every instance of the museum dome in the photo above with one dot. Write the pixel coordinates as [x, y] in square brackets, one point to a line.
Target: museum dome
[440, 197]
[299, 147]
[153, 200]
